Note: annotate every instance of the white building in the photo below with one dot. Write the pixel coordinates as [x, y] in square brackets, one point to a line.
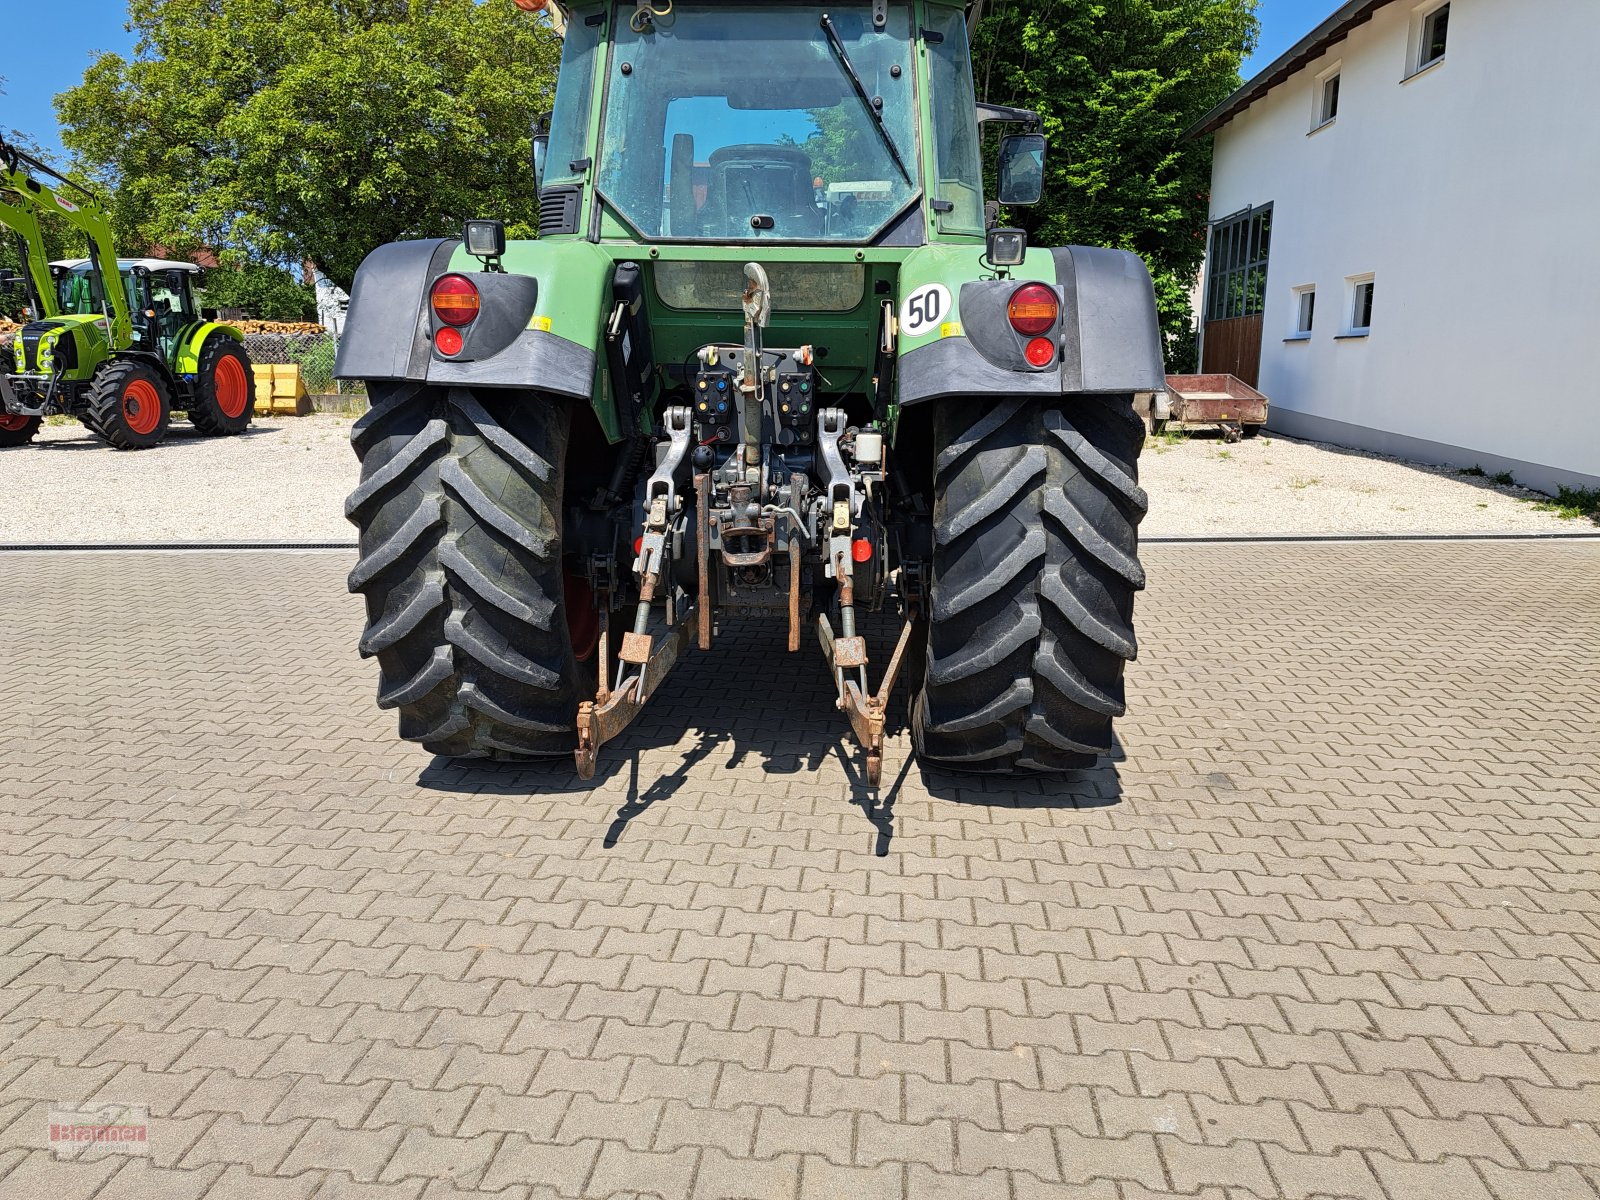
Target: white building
[1405, 248]
[332, 304]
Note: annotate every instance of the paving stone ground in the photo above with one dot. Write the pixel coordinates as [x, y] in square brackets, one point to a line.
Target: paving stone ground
[1330, 926]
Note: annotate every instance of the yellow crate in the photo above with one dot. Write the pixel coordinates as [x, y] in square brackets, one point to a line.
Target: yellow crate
[280, 390]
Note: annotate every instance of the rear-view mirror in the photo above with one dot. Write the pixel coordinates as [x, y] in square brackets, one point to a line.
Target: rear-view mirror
[803, 91]
[541, 151]
[1021, 170]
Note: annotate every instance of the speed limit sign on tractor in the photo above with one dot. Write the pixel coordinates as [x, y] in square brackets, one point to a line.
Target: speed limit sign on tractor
[924, 308]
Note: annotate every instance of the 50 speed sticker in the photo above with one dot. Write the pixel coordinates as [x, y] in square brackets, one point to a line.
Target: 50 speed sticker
[924, 308]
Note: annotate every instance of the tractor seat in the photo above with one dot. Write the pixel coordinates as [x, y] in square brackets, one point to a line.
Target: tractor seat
[756, 178]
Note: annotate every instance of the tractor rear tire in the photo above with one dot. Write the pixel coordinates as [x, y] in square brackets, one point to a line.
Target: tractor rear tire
[224, 399]
[129, 404]
[459, 511]
[17, 430]
[1036, 514]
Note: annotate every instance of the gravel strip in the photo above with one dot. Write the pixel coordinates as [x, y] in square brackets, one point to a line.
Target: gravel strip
[285, 479]
[1201, 486]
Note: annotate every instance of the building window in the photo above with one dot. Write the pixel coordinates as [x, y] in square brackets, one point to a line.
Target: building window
[1327, 101]
[1431, 34]
[1360, 294]
[1305, 312]
[1236, 284]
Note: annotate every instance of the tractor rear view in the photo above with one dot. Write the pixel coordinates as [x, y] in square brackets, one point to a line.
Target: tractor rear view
[768, 357]
[117, 343]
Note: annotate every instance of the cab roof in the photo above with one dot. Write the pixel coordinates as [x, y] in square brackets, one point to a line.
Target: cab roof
[124, 264]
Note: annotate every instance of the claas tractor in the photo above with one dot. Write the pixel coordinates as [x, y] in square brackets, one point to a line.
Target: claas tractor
[771, 357]
[117, 343]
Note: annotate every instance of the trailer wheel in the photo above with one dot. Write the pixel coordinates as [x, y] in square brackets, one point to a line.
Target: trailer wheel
[224, 399]
[1035, 566]
[17, 430]
[129, 404]
[459, 511]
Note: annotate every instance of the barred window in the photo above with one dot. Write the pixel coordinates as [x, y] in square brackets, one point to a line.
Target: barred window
[1240, 245]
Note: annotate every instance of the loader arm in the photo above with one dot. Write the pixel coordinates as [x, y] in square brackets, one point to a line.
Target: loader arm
[22, 196]
[21, 218]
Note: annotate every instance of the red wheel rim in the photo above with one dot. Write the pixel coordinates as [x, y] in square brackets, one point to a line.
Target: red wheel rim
[583, 623]
[10, 422]
[228, 380]
[141, 406]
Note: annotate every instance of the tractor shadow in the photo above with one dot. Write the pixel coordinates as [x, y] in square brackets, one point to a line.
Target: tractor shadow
[750, 706]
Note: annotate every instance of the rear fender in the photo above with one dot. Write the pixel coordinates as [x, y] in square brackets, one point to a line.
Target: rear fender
[186, 361]
[1107, 340]
[538, 329]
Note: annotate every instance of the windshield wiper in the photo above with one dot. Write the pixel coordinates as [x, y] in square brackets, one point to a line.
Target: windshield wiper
[839, 52]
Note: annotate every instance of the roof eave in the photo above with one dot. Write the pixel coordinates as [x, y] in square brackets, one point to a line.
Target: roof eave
[1306, 50]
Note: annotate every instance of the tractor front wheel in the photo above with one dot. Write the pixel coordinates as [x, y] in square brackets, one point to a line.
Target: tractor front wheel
[17, 430]
[1035, 565]
[224, 399]
[129, 404]
[459, 511]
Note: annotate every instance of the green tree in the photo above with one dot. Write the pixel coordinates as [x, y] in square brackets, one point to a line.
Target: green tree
[266, 292]
[61, 241]
[307, 129]
[1118, 82]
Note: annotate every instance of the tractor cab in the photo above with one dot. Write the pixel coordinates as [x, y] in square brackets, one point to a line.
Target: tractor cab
[159, 294]
[773, 123]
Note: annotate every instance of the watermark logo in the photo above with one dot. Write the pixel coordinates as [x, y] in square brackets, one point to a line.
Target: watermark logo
[96, 1130]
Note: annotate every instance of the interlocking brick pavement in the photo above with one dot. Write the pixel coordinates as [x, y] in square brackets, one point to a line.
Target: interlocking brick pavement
[1329, 927]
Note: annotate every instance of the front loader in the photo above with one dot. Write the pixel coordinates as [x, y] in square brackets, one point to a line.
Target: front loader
[117, 343]
[769, 357]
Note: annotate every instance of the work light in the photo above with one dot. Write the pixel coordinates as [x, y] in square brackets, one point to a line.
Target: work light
[485, 239]
[1007, 247]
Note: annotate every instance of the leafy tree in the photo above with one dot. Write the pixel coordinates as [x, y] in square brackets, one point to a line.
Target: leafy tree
[60, 239]
[306, 129]
[265, 292]
[1118, 82]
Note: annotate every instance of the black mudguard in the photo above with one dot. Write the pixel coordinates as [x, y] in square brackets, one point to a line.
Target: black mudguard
[1109, 340]
[388, 332]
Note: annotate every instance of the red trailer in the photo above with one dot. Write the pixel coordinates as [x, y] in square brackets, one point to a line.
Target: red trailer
[1225, 401]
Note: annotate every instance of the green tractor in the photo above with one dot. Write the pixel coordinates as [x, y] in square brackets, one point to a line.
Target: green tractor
[769, 358]
[119, 358]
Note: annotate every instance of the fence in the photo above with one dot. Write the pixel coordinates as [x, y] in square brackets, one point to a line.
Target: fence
[312, 351]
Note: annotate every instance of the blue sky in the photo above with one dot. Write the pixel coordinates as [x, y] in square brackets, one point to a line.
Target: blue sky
[45, 51]
[1283, 23]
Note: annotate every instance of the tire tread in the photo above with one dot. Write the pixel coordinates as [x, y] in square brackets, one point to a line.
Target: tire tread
[1036, 514]
[458, 510]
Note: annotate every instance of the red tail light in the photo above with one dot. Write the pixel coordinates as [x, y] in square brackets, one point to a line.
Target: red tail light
[861, 550]
[448, 341]
[455, 300]
[1033, 309]
[1041, 352]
